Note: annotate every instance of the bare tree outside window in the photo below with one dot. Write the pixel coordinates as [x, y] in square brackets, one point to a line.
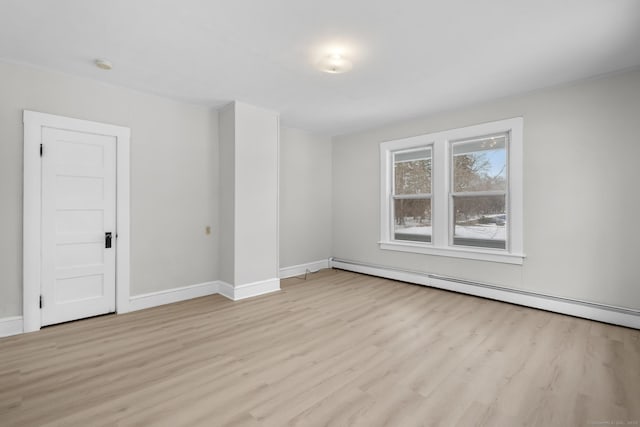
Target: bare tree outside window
[412, 195]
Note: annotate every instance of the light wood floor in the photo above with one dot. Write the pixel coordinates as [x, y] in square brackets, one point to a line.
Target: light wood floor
[338, 349]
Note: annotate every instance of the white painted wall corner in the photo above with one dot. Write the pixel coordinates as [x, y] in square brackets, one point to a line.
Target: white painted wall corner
[297, 270]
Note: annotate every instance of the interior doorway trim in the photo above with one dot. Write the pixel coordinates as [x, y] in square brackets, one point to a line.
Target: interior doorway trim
[32, 208]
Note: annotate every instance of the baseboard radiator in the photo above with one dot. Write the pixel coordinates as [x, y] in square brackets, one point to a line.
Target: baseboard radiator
[589, 310]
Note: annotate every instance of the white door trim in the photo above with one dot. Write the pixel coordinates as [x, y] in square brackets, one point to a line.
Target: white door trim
[32, 208]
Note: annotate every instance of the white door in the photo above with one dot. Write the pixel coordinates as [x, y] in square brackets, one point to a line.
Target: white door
[78, 213]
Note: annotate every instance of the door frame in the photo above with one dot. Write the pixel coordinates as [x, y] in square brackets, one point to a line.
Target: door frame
[32, 208]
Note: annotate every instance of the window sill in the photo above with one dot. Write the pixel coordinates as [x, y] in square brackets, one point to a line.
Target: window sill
[466, 253]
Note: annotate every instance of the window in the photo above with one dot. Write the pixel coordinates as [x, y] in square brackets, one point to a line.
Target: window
[411, 198]
[479, 193]
[455, 193]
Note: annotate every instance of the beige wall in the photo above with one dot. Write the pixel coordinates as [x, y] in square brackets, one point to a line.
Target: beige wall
[581, 197]
[174, 176]
[305, 197]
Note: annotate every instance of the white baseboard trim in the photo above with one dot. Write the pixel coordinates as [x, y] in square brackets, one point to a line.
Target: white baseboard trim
[248, 290]
[226, 290]
[11, 326]
[297, 270]
[593, 311]
[14, 325]
[153, 299]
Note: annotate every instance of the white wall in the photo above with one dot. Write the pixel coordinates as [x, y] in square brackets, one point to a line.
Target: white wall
[305, 197]
[227, 157]
[249, 187]
[256, 194]
[174, 176]
[581, 196]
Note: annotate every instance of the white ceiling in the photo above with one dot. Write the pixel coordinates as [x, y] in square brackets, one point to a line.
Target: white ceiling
[410, 58]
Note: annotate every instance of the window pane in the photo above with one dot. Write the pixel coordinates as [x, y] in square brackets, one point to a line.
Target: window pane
[480, 221]
[480, 165]
[412, 219]
[412, 172]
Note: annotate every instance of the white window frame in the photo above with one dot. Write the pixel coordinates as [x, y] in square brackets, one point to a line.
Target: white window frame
[441, 184]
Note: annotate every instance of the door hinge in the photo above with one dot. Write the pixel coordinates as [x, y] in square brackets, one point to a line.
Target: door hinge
[40, 301]
[41, 150]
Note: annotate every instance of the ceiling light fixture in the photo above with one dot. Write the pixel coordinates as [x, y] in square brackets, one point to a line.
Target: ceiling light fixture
[103, 64]
[335, 63]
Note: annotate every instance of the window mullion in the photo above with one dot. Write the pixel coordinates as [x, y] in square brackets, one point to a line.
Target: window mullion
[479, 193]
[411, 196]
[439, 190]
